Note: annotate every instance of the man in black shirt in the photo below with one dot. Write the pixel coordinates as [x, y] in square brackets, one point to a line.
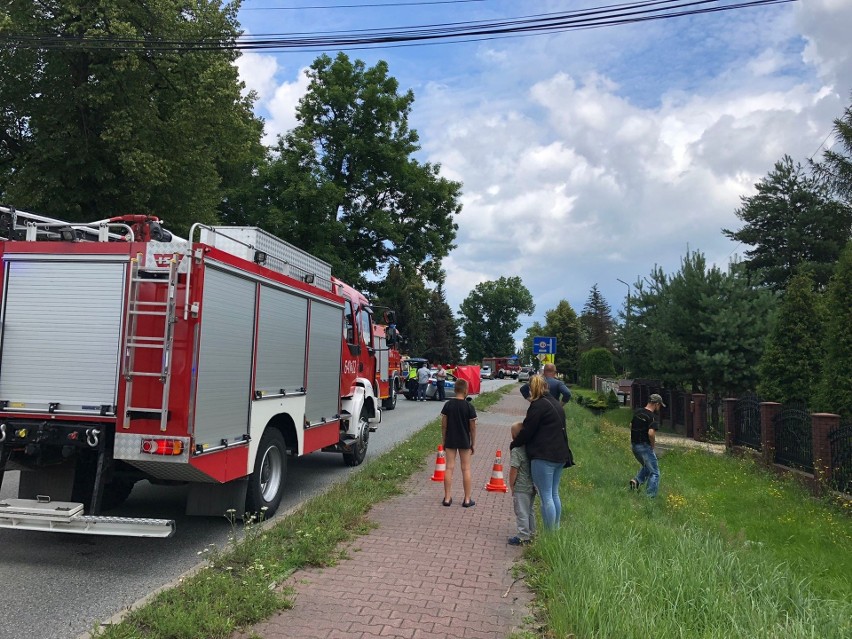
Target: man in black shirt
[643, 429]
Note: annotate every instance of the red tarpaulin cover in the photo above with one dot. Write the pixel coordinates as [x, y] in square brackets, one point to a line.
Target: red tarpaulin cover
[471, 374]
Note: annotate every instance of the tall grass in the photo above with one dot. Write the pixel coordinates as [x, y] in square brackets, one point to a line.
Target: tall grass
[726, 550]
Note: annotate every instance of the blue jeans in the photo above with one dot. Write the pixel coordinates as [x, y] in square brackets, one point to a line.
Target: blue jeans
[650, 470]
[524, 515]
[421, 392]
[545, 476]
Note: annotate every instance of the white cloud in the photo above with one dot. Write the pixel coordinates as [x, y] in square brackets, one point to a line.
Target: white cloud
[595, 155]
[282, 107]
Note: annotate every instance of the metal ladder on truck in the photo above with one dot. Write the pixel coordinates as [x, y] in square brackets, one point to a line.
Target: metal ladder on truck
[137, 308]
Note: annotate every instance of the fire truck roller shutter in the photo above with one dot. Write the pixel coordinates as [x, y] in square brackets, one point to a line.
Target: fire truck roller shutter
[225, 358]
[282, 337]
[324, 357]
[62, 325]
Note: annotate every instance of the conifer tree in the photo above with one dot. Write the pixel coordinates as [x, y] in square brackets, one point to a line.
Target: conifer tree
[596, 321]
[442, 345]
[834, 392]
[790, 366]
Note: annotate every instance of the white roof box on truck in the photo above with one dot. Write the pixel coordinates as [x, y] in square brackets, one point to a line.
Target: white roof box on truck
[281, 256]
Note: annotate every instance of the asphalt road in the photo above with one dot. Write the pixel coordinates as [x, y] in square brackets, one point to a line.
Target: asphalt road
[58, 586]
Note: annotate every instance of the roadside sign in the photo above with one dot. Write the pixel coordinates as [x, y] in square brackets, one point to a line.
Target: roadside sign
[544, 345]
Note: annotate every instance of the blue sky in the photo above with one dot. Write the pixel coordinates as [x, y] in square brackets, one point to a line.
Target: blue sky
[590, 156]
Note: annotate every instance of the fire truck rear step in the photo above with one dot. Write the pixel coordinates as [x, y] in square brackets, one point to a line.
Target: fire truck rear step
[62, 516]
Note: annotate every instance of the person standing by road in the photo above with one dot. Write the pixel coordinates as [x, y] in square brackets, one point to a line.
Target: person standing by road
[546, 442]
[643, 429]
[422, 381]
[458, 434]
[523, 492]
[556, 387]
[440, 380]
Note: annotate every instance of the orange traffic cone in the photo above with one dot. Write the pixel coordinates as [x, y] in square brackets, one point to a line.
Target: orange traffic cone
[497, 484]
[440, 465]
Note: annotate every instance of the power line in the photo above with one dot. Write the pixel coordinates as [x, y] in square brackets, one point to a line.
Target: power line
[538, 24]
[392, 5]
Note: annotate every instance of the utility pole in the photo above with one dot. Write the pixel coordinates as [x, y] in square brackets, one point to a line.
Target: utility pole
[627, 318]
[623, 345]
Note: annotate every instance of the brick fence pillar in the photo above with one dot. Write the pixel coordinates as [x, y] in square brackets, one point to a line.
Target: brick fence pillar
[821, 426]
[768, 410]
[730, 422]
[699, 417]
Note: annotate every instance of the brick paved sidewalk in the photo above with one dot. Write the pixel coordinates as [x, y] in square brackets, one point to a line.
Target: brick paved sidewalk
[426, 570]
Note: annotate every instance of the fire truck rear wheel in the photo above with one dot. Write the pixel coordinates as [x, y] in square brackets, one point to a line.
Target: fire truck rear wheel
[359, 449]
[266, 483]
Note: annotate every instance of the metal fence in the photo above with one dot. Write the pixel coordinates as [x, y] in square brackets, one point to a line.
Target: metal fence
[679, 403]
[793, 437]
[840, 441]
[715, 419]
[747, 421]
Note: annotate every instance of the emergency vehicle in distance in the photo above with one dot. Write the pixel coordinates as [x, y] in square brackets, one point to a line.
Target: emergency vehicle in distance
[502, 366]
[127, 353]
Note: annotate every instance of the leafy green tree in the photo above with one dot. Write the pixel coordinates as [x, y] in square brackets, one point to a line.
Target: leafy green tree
[343, 184]
[563, 324]
[596, 322]
[90, 131]
[526, 354]
[595, 361]
[489, 317]
[443, 332]
[791, 362]
[791, 221]
[836, 168]
[405, 293]
[834, 392]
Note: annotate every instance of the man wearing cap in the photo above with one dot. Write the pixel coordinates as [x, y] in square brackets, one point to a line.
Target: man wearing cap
[643, 428]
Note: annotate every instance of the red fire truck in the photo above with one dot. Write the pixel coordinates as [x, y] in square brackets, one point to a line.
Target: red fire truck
[127, 353]
[502, 366]
[389, 363]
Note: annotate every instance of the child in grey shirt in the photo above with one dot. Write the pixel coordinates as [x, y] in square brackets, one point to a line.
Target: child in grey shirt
[523, 492]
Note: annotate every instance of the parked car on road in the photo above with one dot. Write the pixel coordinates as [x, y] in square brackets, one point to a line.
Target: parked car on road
[432, 388]
[485, 372]
[525, 373]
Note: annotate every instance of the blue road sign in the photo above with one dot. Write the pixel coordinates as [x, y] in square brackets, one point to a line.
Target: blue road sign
[544, 346]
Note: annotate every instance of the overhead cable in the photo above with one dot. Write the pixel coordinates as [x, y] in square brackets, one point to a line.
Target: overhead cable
[539, 24]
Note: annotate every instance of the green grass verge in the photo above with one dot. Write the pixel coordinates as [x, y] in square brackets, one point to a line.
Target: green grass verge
[726, 550]
[237, 587]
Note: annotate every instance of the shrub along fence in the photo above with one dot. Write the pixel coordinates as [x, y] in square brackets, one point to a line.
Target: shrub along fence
[789, 437]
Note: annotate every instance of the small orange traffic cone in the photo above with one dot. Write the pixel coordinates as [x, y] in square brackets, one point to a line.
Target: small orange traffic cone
[440, 465]
[497, 484]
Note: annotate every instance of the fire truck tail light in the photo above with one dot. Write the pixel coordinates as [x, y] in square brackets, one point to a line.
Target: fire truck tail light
[162, 446]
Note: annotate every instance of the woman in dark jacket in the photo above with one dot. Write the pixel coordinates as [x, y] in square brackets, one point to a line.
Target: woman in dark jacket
[546, 442]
